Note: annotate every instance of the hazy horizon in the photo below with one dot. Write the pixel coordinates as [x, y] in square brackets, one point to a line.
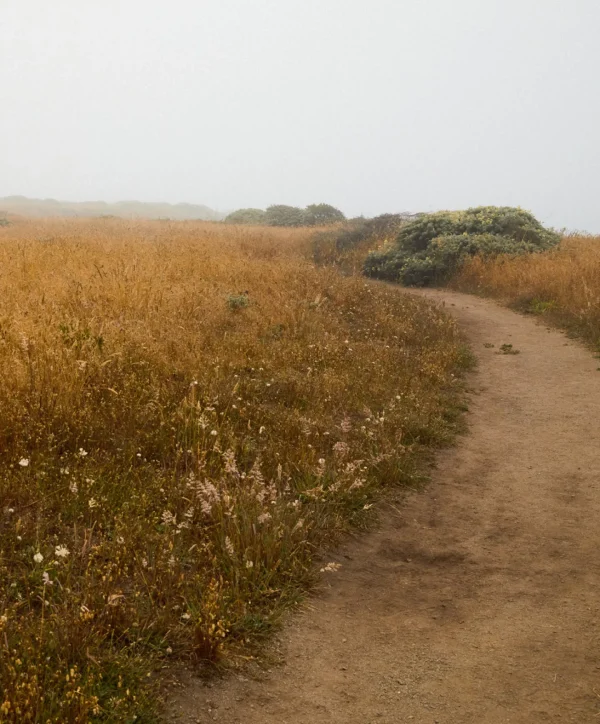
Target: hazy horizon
[372, 107]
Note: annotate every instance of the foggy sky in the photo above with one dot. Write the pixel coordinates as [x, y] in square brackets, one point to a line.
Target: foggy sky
[371, 105]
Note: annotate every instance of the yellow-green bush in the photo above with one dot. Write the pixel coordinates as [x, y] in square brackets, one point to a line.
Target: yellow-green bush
[432, 247]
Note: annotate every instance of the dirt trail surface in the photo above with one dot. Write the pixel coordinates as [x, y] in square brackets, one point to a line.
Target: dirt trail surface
[477, 601]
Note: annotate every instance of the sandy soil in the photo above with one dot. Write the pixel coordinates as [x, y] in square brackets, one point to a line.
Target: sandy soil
[477, 601]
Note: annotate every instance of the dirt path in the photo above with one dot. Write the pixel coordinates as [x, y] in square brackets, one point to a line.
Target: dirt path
[478, 599]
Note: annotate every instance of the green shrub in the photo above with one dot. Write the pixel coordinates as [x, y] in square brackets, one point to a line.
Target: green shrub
[235, 302]
[332, 247]
[282, 215]
[322, 215]
[379, 227]
[432, 247]
[246, 216]
[4, 222]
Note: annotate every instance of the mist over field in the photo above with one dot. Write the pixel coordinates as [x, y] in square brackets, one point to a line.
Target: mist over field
[371, 107]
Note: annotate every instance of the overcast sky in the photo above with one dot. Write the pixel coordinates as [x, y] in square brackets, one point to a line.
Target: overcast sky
[371, 105]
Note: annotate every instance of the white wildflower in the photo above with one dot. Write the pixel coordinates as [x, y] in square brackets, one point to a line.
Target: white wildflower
[331, 568]
[207, 494]
[186, 616]
[82, 453]
[341, 450]
[46, 579]
[214, 433]
[92, 503]
[229, 547]
[61, 551]
[305, 426]
[264, 517]
[168, 518]
[38, 557]
[249, 564]
[229, 461]
[256, 475]
[73, 487]
[24, 462]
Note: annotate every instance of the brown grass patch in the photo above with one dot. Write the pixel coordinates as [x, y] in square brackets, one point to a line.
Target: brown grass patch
[188, 413]
[563, 285]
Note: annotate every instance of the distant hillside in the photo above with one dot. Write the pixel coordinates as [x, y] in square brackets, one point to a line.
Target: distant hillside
[126, 209]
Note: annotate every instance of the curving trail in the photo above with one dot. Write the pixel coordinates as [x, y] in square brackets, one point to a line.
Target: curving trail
[478, 599]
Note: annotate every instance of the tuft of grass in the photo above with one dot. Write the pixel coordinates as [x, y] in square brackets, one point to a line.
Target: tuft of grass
[235, 302]
[169, 470]
[563, 285]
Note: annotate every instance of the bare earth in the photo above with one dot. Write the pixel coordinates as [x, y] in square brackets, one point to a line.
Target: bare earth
[477, 601]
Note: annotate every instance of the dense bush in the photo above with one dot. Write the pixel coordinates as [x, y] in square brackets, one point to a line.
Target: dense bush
[246, 216]
[379, 227]
[335, 247]
[283, 215]
[322, 215]
[432, 247]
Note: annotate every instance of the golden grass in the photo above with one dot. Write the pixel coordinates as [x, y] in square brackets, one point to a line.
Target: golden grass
[189, 413]
[563, 285]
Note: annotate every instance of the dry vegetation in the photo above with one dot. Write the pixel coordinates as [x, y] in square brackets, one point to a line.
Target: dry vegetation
[563, 285]
[189, 414]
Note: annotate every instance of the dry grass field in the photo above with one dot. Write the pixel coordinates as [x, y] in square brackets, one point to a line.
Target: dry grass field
[562, 285]
[189, 414]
